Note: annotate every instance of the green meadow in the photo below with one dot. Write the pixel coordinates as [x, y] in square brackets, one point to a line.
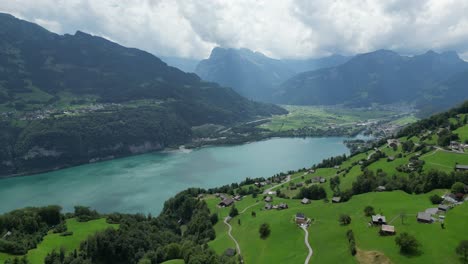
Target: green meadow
[327, 237]
[81, 230]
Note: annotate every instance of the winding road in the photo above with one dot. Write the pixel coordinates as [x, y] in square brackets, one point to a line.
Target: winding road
[306, 241]
[226, 222]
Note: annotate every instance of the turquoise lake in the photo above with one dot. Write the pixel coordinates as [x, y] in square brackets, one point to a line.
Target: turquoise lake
[141, 184]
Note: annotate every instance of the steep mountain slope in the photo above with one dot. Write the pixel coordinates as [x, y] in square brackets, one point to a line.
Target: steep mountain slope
[71, 99]
[378, 77]
[184, 64]
[252, 74]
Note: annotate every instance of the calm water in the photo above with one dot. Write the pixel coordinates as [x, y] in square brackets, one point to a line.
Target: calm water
[142, 183]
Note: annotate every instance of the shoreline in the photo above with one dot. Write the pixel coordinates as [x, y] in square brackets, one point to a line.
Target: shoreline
[165, 150]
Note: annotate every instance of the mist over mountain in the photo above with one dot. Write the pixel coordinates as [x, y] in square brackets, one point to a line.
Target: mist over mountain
[380, 77]
[183, 64]
[253, 74]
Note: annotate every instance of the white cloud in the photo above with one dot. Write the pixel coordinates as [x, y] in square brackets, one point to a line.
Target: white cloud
[278, 28]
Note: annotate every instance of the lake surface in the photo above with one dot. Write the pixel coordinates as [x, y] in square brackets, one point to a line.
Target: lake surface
[142, 183]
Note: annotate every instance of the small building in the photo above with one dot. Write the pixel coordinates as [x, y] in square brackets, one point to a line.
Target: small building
[282, 206]
[268, 206]
[237, 197]
[305, 201]
[432, 211]
[300, 219]
[459, 167]
[387, 230]
[450, 197]
[230, 252]
[226, 202]
[268, 199]
[393, 143]
[391, 158]
[379, 219]
[381, 188]
[443, 207]
[223, 197]
[311, 171]
[336, 167]
[424, 217]
[319, 179]
[336, 199]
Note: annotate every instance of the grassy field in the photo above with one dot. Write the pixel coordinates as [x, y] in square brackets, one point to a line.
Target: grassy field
[54, 241]
[174, 261]
[327, 237]
[444, 161]
[321, 117]
[462, 133]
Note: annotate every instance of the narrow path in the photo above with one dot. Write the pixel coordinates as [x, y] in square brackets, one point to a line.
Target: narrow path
[306, 241]
[226, 222]
[288, 179]
[245, 209]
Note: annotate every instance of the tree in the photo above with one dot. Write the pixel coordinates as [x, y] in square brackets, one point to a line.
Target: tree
[214, 218]
[436, 199]
[407, 243]
[233, 211]
[369, 210]
[264, 230]
[344, 219]
[462, 250]
[458, 187]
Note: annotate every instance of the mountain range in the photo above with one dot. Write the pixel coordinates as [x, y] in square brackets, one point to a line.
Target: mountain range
[253, 74]
[382, 77]
[69, 99]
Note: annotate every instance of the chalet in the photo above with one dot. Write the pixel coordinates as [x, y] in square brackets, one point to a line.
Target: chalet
[223, 197]
[461, 167]
[282, 206]
[424, 217]
[387, 230]
[381, 188]
[336, 199]
[319, 179]
[276, 207]
[230, 252]
[268, 199]
[226, 202]
[336, 167]
[311, 171]
[432, 211]
[443, 207]
[237, 197]
[300, 219]
[200, 196]
[305, 201]
[456, 146]
[217, 195]
[268, 206]
[391, 158]
[379, 219]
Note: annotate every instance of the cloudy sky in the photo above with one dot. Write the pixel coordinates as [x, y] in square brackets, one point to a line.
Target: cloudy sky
[278, 28]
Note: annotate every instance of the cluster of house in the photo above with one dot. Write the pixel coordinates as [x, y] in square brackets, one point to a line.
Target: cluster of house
[430, 214]
[460, 167]
[269, 206]
[319, 179]
[457, 146]
[385, 229]
[227, 201]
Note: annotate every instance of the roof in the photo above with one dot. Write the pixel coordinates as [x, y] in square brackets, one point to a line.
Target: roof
[381, 188]
[432, 211]
[300, 215]
[443, 207]
[227, 201]
[388, 228]
[336, 199]
[268, 206]
[461, 167]
[230, 252]
[268, 199]
[376, 218]
[305, 200]
[424, 216]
